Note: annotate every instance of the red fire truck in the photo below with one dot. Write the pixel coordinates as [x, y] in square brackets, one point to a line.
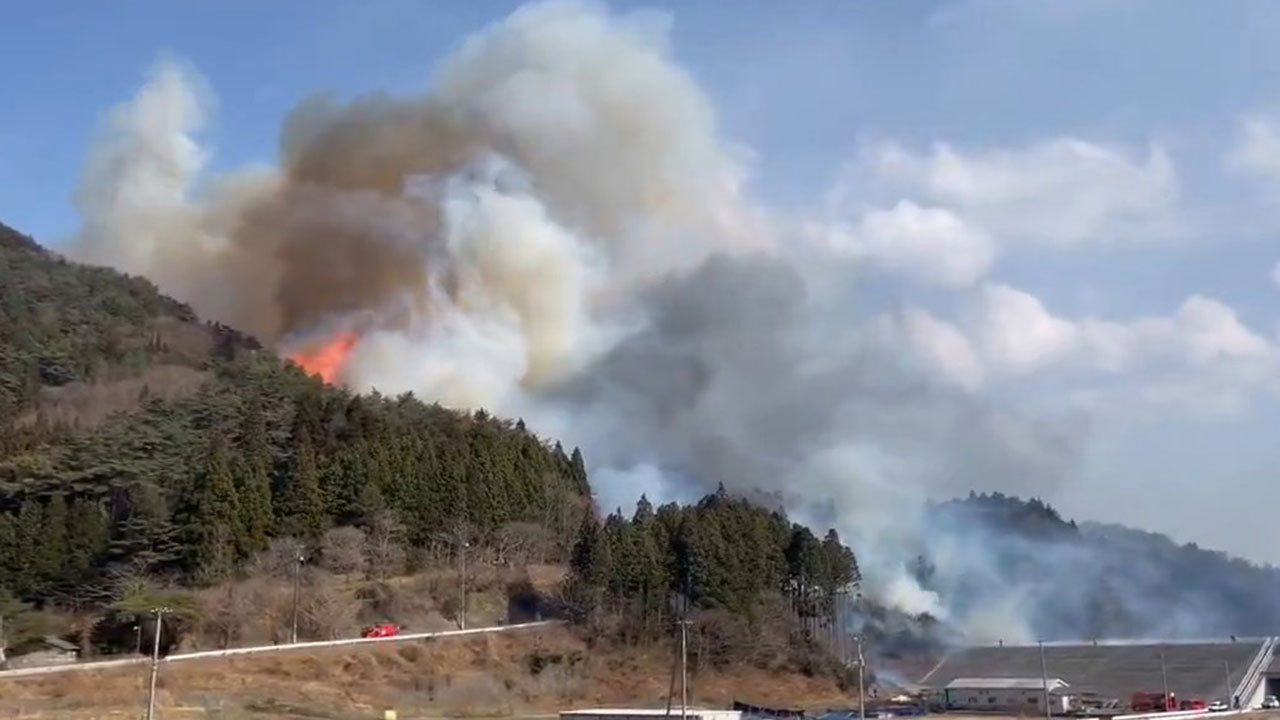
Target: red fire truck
[1153, 702]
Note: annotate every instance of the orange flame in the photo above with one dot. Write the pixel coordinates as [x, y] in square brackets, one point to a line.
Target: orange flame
[327, 360]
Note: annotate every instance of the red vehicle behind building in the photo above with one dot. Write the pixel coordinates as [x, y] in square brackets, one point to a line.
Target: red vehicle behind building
[380, 630]
[1153, 702]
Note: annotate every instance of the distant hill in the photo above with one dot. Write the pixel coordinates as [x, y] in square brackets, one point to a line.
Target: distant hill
[1008, 562]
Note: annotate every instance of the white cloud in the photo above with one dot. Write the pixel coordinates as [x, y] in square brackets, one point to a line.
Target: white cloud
[941, 216]
[1275, 274]
[1200, 354]
[932, 245]
[944, 348]
[1257, 148]
[1062, 191]
[1017, 334]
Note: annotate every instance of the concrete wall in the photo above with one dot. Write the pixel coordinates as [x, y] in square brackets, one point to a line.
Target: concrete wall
[40, 658]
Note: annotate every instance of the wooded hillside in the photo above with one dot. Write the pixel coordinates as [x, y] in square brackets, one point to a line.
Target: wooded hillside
[132, 434]
[141, 447]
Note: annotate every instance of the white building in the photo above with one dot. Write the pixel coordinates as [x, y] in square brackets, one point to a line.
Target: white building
[1019, 696]
[649, 714]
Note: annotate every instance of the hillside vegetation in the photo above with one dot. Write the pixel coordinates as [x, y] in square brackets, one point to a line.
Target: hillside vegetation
[145, 454]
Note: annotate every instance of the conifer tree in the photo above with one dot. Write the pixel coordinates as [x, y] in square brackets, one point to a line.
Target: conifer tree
[51, 551]
[253, 479]
[88, 530]
[28, 532]
[301, 508]
[213, 527]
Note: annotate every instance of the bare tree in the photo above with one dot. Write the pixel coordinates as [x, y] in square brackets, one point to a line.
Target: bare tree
[226, 614]
[328, 611]
[384, 547]
[521, 543]
[280, 558]
[342, 550]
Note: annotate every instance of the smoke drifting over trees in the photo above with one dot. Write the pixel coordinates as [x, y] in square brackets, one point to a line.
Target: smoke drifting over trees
[556, 228]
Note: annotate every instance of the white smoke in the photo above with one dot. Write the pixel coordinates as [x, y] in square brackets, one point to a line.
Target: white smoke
[557, 229]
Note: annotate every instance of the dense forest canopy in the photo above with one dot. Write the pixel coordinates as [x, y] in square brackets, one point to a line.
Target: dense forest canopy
[134, 437]
[209, 445]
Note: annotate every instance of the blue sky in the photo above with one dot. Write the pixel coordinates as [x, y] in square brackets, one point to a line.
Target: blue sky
[817, 91]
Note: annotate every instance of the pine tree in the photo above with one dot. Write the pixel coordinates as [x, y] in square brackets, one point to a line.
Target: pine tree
[50, 555]
[9, 559]
[28, 532]
[301, 508]
[88, 530]
[147, 535]
[253, 479]
[213, 523]
[591, 558]
[578, 472]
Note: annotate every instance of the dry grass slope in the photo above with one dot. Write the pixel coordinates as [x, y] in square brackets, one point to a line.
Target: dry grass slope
[519, 674]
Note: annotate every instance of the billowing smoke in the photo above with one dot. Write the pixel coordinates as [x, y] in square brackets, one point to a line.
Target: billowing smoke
[557, 229]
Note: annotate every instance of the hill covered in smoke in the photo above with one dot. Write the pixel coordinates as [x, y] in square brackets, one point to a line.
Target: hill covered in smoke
[1082, 581]
[555, 227]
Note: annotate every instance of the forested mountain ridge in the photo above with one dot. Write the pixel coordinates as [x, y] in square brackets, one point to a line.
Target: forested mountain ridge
[133, 434]
[142, 448]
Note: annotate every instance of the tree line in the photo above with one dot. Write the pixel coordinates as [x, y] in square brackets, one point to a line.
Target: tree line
[194, 486]
[722, 555]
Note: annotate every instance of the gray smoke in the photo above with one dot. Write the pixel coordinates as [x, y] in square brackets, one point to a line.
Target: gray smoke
[556, 229]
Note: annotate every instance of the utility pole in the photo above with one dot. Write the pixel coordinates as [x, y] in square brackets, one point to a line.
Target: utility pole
[297, 582]
[1044, 679]
[155, 660]
[1226, 683]
[862, 704]
[1164, 678]
[684, 669]
[462, 584]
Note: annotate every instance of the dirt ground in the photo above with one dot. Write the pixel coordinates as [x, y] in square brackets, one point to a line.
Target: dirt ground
[521, 674]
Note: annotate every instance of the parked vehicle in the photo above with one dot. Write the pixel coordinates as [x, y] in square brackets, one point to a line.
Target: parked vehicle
[1270, 702]
[1153, 702]
[1191, 704]
[1219, 706]
[380, 630]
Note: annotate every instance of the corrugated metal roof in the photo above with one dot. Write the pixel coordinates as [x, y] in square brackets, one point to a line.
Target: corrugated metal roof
[59, 643]
[1004, 684]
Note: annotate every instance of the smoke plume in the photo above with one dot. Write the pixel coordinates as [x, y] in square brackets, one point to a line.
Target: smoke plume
[557, 229]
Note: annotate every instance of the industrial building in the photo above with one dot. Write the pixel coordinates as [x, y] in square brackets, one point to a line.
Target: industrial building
[1014, 696]
[1236, 670]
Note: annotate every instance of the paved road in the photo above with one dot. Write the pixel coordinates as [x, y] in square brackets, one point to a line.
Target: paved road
[106, 664]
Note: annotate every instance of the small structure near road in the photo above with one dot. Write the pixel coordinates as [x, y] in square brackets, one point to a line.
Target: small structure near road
[1010, 695]
[48, 650]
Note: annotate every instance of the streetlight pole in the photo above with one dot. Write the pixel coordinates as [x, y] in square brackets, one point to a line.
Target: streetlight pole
[1226, 683]
[297, 578]
[1164, 678]
[155, 661]
[1044, 679]
[862, 705]
[684, 670]
[462, 582]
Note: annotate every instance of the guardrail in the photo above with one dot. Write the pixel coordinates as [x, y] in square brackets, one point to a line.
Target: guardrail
[1177, 714]
[257, 649]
